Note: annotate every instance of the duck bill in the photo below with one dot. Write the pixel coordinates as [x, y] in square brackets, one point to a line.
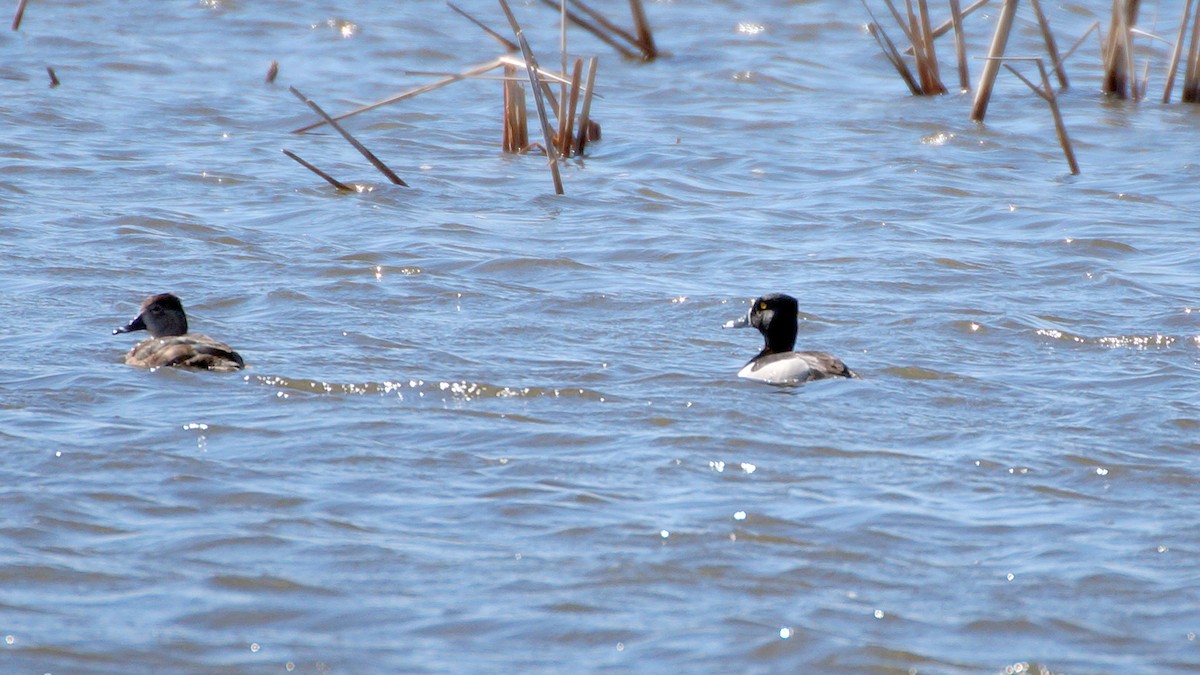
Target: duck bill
[743, 322]
[136, 324]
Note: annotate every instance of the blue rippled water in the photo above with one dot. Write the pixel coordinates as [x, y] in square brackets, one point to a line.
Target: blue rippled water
[485, 428]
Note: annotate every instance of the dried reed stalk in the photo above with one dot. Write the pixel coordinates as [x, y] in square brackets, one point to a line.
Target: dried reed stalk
[562, 45]
[645, 37]
[1094, 27]
[509, 45]
[1191, 80]
[889, 48]
[920, 36]
[362, 149]
[991, 67]
[531, 70]
[1176, 52]
[1046, 92]
[272, 72]
[544, 76]
[16, 24]
[53, 78]
[960, 46]
[582, 139]
[893, 57]
[516, 130]
[565, 128]
[948, 24]
[1118, 50]
[931, 77]
[595, 30]
[470, 72]
[1051, 44]
[330, 179]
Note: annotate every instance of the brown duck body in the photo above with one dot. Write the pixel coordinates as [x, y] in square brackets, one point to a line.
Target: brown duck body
[170, 343]
[191, 350]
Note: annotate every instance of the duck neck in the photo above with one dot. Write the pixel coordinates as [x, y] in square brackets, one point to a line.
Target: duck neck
[780, 339]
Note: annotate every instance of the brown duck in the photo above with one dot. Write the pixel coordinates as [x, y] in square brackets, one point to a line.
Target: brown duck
[170, 343]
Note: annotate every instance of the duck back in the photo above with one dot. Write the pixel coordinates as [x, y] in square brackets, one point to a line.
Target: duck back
[188, 351]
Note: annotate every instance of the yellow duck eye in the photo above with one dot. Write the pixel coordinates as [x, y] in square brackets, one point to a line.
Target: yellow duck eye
[762, 305]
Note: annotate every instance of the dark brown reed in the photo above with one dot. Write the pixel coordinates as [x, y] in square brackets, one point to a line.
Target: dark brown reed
[362, 149]
[516, 129]
[16, 24]
[1046, 92]
[948, 24]
[645, 37]
[330, 179]
[594, 30]
[470, 72]
[893, 57]
[931, 77]
[509, 45]
[916, 28]
[991, 67]
[960, 46]
[1118, 51]
[531, 70]
[272, 72]
[1191, 78]
[1051, 44]
[1176, 52]
[566, 127]
[53, 78]
[889, 48]
[586, 111]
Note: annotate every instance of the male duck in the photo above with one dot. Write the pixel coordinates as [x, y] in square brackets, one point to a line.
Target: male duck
[774, 315]
[170, 343]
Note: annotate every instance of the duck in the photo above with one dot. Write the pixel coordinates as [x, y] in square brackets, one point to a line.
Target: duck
[170, 343]
[774, 315]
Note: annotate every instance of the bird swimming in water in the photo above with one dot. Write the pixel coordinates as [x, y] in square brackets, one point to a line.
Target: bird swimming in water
[774, 315]
[170, 343]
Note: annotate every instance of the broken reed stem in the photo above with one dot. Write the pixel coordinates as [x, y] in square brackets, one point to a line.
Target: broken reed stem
[1094, 27]
[1118, 52]
[508, 45]
[1176, 51]
[272, 72]
[608, 25]
[645, 37]
[935, 74]
[16, 24]
[991, 67]
[918, 44]
[562, 92]
[946, 25]
[362, 149]
[1051, 44]
[960, 46]
[893, 56]
[565, 131]
[582, 139]
[516, 129]
[904, 25]
[922, 50]
[889, 48]
[530, 69]
[330, 179]
[1046, 92]
[470, 72]
[1191, 81]
[596, 31]
[53, 78]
